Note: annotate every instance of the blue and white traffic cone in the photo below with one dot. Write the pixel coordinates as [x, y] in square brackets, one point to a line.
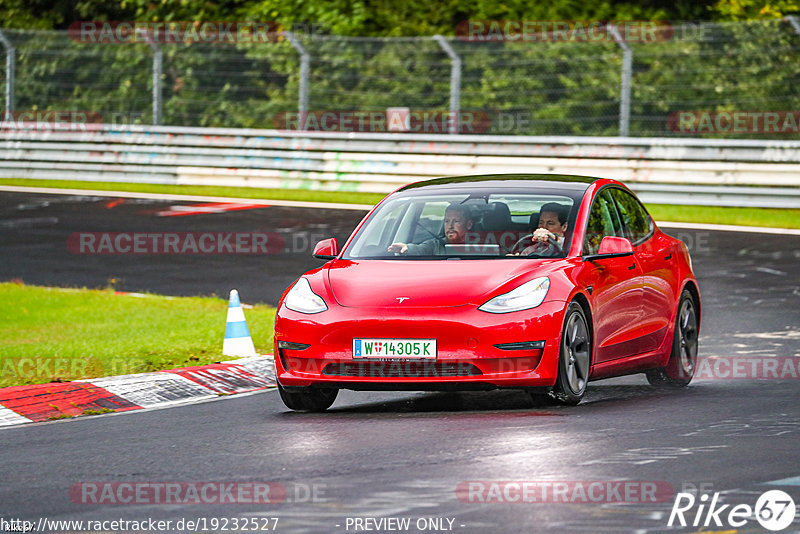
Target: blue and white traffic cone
[237, 336]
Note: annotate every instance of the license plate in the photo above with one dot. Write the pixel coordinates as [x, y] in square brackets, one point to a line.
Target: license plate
[412, 349]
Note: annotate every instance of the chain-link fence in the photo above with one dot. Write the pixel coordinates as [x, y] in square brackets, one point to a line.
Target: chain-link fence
[691, 81]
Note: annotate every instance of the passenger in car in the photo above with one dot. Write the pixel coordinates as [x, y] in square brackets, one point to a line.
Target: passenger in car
[458, 220]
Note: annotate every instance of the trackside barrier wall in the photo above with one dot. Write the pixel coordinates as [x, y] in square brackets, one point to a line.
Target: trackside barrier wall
[720, 172]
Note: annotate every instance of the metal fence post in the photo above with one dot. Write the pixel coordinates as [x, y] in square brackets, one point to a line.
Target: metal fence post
[793, 20]
[158, 67]
[455, 84]
[158, 62]
[10, 71]
[625, 89]
[305, 66]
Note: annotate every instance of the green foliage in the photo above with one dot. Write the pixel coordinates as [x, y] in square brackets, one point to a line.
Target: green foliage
[754, 9]
[742, 66]
[533, 88]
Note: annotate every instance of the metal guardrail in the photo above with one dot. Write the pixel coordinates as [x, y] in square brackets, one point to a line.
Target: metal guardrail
[675, 171]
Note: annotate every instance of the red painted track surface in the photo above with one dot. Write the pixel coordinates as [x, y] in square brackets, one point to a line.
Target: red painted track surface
[56, 400]
[50, 401]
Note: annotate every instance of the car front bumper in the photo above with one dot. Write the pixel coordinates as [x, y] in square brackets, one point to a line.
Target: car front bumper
[467, 355]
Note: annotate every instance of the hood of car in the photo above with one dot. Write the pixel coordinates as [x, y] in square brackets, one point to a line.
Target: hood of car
[421, 283]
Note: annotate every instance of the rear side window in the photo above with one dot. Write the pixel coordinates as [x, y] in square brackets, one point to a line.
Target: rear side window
[637, 222]
[604, 220]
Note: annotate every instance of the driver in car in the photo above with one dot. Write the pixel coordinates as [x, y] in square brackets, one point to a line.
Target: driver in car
[458, 220]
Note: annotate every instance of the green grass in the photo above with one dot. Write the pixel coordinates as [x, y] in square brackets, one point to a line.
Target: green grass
[97, 412]
[768, 217]
[306, 195]
[57, 334]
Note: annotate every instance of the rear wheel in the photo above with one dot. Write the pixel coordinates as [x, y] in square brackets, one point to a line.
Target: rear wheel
[574, 358]
[683, 359]
[307, 399]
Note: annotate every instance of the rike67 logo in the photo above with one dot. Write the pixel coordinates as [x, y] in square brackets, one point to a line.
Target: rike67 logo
[774, 510]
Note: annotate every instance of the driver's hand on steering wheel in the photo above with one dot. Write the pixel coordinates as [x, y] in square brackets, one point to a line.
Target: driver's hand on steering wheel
[541, 235]
[398, 248]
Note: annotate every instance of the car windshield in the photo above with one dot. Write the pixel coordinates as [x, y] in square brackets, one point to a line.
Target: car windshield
[467, 225]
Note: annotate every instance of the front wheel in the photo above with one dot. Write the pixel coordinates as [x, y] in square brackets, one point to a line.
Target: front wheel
[308, 399]
[574, 357]
[683, 359]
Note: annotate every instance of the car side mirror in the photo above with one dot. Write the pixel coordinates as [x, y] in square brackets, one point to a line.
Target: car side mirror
[327, 249]
[612, 247]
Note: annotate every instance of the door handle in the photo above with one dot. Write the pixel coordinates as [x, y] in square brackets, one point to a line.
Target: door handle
[669, 257]
[632, 266]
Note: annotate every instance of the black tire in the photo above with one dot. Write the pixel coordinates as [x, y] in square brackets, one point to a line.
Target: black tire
[683, 358]
[308, 399]
[575, 357]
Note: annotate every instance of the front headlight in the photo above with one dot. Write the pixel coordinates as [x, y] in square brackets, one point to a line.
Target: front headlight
[528, 295]
[302, 299]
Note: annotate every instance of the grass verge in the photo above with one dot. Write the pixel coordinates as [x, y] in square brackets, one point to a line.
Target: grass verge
[305, 195]
[57, 334]
[766, 217]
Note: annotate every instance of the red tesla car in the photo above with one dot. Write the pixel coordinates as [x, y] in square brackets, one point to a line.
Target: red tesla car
[537, 282]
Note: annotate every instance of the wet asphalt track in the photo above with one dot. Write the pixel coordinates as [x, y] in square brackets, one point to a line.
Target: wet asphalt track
[404, 454]
[34, 233]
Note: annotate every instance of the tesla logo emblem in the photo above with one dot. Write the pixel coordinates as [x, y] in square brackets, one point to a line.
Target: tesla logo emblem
[401, 299]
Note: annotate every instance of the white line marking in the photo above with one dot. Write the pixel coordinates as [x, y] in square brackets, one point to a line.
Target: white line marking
[770, 271]
[341, 206]
[164, 389]
[9, 417]
[191, 198]
[216, 398]
[153, 389]
[729, 228]
[793, 481]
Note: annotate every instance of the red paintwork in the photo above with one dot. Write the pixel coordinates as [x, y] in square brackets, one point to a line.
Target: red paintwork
[632, 313]
[615, 245]
[327, 247]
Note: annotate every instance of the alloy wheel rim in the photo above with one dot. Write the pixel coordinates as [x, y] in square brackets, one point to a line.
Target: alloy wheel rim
[576, 351]
[687, 337]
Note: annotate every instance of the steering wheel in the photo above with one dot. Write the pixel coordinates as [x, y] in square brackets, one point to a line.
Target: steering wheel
[521, 244]
[551, 248]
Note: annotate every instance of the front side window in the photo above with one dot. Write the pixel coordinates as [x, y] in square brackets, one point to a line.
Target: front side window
[469, 225]
[604, 220]
[635, 218]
